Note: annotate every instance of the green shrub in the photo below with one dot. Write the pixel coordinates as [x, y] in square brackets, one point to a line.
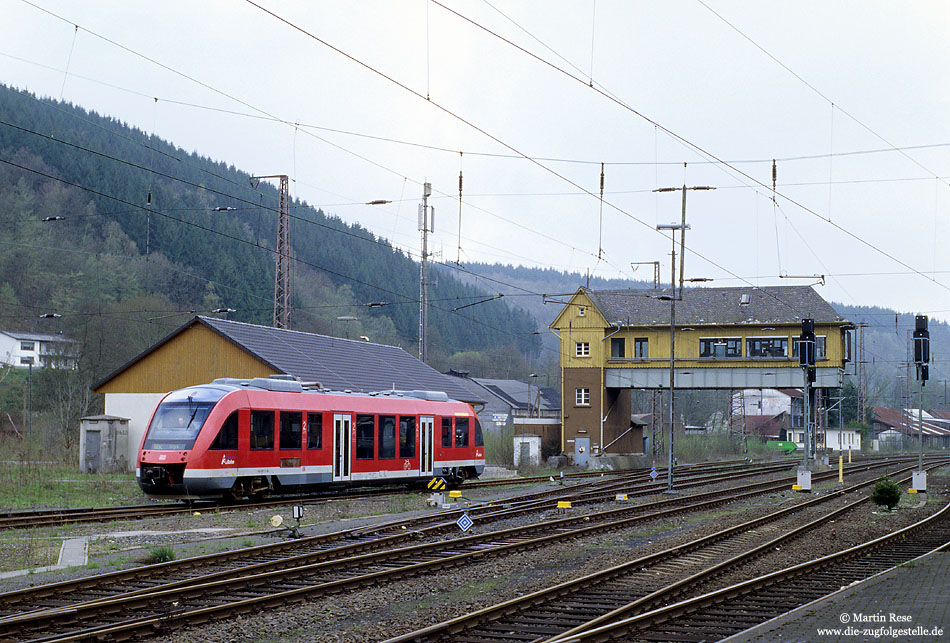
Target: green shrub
[162, 554]
[886, 493]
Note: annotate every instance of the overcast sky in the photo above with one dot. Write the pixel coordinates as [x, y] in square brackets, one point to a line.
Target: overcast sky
[830, 89]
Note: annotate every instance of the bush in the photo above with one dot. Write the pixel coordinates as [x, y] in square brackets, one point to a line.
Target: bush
[162, 554]
[886, 493]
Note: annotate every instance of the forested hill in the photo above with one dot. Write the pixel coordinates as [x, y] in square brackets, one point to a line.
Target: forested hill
[141, 240]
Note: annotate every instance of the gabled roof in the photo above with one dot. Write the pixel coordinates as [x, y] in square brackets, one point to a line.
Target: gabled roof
[766, 305]
[338, 364]
[38, 337]
[516, 393]
[906, 421]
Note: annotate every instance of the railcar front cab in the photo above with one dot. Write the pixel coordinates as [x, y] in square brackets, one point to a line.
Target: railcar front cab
[170, 438]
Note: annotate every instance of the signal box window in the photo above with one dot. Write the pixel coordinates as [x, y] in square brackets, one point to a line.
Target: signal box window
[617, 347]
[387, 437]
[407, 437]
[447, 433]
[720, 347]
[262, 430]
[227, 438]
[582, 349]
[461, 432]
[641, 348]
[365, 438]
[819, 347]
[479, 440]
[291, 433]
[582, 397]
[767, 346]
[314, 430]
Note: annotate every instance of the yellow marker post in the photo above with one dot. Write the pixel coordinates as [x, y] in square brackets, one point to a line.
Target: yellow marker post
[840, 468]
[849, 455]
[563, 504]
[911, 490]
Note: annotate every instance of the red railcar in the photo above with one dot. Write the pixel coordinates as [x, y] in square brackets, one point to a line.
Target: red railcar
[250, 437]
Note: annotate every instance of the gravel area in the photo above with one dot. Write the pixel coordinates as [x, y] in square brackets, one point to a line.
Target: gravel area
[390, 609]
[393, 608]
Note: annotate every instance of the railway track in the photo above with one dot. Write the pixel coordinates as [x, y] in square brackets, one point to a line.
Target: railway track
[587, 608]
[55, 517]
[733, 609]
[139, 610]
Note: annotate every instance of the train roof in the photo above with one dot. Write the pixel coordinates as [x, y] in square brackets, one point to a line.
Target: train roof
[287, 384]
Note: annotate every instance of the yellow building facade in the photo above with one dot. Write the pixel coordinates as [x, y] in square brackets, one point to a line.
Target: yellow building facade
[725, 338]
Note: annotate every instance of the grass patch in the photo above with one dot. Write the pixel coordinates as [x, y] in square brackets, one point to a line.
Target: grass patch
[28, 550]
[25, 485]
[162, 554]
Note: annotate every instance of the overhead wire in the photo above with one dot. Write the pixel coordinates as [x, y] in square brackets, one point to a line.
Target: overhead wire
[694, 146]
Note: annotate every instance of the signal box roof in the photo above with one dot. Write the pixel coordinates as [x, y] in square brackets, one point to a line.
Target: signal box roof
[698, 306]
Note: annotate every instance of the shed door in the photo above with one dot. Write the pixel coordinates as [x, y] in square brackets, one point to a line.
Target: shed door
[93, 451]
[341, 446]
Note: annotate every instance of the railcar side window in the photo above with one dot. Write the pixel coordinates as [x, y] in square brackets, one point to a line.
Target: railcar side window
[447, 433]
[365, 443]
[262, 430]
[461, 432]
[314, 430]
[227, 438]
[387, 437]
[479, 440]
[407, 437]
[291, 431]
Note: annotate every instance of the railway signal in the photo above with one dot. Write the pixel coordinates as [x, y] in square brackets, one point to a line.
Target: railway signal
[922, 361]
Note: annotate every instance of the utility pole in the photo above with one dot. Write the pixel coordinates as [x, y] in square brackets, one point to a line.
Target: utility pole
[673, 227]
[282, 265]
[683, 222]
[426, 225]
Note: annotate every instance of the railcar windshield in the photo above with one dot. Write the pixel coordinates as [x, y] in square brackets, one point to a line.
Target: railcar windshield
[180, 417]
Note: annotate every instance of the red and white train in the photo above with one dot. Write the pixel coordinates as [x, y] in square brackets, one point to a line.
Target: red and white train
[237, 438]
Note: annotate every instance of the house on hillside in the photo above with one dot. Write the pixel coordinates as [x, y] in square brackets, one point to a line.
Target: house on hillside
[206, 348]
[42, 350]
[614, 341]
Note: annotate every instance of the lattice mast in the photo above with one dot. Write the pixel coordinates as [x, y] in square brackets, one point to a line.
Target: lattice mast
[282, 265]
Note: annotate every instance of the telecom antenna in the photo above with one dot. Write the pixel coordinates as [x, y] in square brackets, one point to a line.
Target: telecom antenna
[282, 265]
[426, 225]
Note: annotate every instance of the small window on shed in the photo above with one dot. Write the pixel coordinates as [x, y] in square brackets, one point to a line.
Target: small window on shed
[227, 438]
[581, 311]
[314, 430]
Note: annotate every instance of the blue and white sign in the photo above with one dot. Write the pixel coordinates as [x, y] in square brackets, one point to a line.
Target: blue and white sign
[464, 522]
[653, 473]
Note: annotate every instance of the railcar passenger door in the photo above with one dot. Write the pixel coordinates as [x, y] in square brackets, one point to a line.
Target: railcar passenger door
[341, 446]
[427, 433]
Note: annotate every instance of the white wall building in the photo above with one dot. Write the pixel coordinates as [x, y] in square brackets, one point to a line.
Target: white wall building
[42, 350]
